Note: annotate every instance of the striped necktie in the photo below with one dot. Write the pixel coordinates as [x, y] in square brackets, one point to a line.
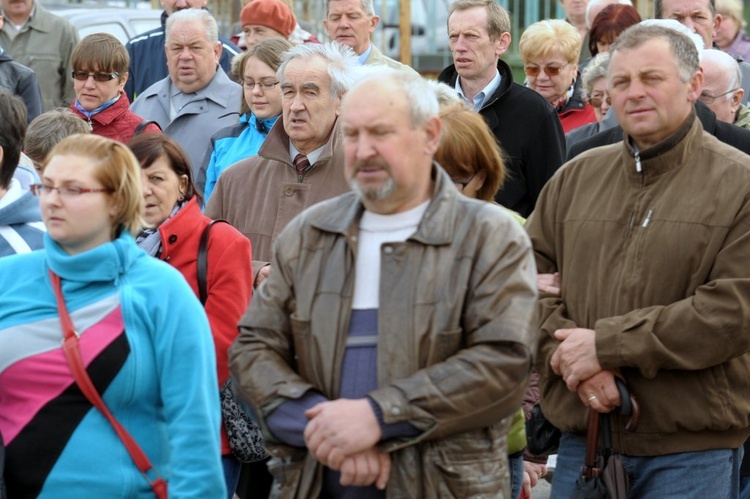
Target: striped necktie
[301, 163]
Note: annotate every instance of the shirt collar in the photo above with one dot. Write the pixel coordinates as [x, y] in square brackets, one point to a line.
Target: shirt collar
[312, 157]
[362, 58]
[482, 96]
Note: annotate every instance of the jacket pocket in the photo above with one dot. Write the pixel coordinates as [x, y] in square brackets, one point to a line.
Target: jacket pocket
[469, 465]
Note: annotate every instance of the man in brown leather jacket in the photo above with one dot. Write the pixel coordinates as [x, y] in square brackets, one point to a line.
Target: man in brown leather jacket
[392, 342]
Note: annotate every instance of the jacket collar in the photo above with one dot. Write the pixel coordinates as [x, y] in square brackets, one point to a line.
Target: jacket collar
[671, 153]
[449, 75]
[435, 229]
[575, 102]
[107, 262]
[107, 116]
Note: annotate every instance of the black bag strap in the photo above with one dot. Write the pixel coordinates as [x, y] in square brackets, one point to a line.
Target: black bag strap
[203, 261]
[142, 126]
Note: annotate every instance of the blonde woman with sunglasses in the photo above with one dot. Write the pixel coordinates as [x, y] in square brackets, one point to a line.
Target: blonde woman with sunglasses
[549, 51]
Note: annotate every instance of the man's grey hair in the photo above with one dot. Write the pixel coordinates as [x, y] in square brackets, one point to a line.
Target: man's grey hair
[366, 6]
[446, 95]
[729, 68]
[659, 8]
[685, 52]
[595, 69]
[340, 59]
[203, 16]
[420, 93]
[594, 3]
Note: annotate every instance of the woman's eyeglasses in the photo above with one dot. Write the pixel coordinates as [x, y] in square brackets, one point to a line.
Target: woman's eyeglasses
[461, 184]
[264, 85]
[66, 191]
[598, 101]
[100, 77]
[550, 70]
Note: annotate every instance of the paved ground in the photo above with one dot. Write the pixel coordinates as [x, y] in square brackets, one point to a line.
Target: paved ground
[541, 491]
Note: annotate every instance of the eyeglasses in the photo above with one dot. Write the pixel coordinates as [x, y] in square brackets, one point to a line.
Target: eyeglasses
[550, 70]
[709, 98]
[100, 77]
[264, 85]
[464, 183]
[66, 191]
[598, 101]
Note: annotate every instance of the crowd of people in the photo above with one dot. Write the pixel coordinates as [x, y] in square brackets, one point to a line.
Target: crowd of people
[394, 272]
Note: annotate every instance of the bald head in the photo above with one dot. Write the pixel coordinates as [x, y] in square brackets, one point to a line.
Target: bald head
[722, 82]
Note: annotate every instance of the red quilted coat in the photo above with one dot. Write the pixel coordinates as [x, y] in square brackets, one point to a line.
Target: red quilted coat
[116, 122]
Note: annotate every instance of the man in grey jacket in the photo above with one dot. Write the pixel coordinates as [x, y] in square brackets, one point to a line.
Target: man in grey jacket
[393, 338]
[197, 98]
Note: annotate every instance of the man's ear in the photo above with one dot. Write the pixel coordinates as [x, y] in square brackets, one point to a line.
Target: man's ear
[717, 24]
[433, 129]
[695, 86]
[218, 47]
[373, 23]
[737, 99]
[502, 43]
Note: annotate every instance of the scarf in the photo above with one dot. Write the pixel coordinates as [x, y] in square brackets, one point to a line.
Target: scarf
[149, 238]
[99, 109]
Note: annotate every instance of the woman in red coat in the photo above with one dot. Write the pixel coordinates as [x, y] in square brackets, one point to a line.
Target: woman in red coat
[100, 69]
[176, 224]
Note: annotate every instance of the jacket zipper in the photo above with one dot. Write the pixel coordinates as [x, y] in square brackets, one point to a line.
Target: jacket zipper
[638, 169]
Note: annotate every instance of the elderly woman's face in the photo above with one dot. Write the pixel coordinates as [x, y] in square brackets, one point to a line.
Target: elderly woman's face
[94, 88]
[551, 75]
[162, 188]
[727, 32]
[599, 98]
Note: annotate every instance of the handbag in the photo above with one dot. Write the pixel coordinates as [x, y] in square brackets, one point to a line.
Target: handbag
[542, 438]
[244, 435]
[603, 476]
[82, 379]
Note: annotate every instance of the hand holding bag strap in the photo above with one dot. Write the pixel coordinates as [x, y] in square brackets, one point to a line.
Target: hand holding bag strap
[203, 261]
[590, 468]
[81, 376]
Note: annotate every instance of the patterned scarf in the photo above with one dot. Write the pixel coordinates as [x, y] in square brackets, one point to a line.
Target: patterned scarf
[149, 239]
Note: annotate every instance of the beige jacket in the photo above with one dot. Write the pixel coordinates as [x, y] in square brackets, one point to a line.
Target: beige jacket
[455, 339]
[260, 195]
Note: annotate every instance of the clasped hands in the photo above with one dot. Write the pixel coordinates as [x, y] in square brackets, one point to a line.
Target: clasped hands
[343, 435]
[576, 361]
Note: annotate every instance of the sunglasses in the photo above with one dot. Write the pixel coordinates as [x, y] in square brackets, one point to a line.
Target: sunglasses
[549, 70]
[100, 77]
[598, 101]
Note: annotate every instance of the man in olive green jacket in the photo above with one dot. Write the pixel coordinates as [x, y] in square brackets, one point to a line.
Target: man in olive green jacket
[650, 237]
[392, 342]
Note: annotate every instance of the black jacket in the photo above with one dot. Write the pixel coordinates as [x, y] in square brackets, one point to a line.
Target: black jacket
[148, 60]
[735, 136]
[528, 130]
[21, 81]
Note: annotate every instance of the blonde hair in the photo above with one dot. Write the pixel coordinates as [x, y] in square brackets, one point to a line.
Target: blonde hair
[117, 170]
[551, 35]
[733, 9]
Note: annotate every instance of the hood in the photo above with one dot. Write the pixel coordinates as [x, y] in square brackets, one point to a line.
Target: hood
[22, 210]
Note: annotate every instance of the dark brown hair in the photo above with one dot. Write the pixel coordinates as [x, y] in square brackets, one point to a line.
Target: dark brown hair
[101, 52]
[149, 147]
[610, 22]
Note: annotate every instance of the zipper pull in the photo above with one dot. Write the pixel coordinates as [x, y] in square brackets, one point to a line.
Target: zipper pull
[91, 125]
[638, 168]
[299, 178]
[647, 220]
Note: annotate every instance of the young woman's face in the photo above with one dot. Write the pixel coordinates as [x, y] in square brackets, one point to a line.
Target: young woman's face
[162, 189]
[263, 102]
[77, 213]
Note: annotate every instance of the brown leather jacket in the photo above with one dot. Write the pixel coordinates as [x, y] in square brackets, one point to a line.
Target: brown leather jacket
[455, 339]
